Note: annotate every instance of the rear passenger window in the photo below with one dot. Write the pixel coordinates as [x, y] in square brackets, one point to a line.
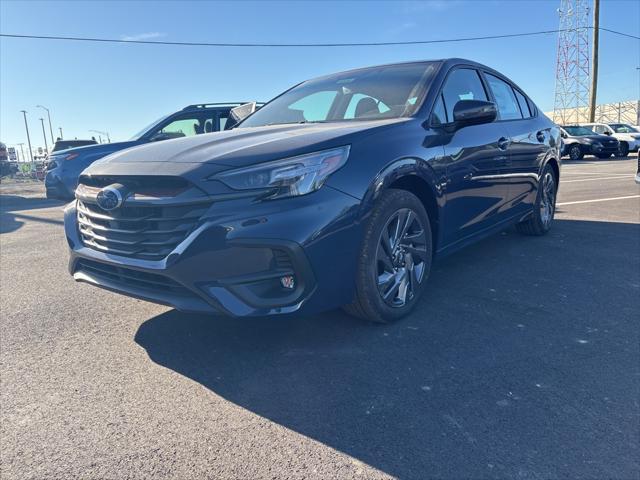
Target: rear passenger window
[524, 106]
[505, 98]
[462, 84]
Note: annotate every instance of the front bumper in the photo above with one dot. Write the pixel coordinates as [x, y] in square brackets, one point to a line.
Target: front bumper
[55, 187]
[232, 262]
[603, 149]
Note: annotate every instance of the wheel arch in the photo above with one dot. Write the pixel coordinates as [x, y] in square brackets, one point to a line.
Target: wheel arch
[418, 177]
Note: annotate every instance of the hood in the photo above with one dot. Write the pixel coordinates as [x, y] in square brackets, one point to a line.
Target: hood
[247, 146]
[99, 149]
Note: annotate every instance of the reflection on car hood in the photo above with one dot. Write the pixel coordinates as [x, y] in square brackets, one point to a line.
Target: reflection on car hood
[246, 146]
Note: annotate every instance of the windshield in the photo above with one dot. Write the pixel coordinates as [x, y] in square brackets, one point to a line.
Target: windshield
[623, 128]
[147, 128]
[579, 131]
[369, 94]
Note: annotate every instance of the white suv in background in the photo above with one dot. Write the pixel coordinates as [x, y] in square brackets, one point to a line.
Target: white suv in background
[628, 136]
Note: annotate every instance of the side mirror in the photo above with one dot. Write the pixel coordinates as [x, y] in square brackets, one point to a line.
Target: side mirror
[607, 132]
[239, 113]
[564, 135]
[473, 112]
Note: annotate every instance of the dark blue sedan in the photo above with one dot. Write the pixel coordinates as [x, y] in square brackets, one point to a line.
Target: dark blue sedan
[339, 192]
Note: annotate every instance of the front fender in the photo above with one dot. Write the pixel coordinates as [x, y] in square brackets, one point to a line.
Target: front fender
[398, 169]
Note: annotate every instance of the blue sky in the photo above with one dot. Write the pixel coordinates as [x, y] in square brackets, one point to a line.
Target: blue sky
[121, 88]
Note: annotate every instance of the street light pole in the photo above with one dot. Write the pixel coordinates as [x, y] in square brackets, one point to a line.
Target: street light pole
[24, 113]
[49, 117]
[61, 137]
[22, 150]
[44, 135]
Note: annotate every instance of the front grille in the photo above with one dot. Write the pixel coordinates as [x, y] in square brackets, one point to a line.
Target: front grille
[134, 278]
[144, 232]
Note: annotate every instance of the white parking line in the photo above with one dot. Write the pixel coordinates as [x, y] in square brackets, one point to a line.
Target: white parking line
[619, 177]
[593, 173]
[597, 200]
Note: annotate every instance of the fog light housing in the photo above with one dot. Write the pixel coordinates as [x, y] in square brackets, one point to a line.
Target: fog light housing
[288, 282]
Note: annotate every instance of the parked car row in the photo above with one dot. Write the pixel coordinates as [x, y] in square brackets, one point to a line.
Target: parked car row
[338, 192]
[599, 139]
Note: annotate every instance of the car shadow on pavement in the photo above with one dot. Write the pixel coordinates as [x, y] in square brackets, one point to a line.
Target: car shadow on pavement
[511, 357]
[10, 204]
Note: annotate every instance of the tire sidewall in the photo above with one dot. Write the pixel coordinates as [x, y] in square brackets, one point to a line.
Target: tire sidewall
[623, 150]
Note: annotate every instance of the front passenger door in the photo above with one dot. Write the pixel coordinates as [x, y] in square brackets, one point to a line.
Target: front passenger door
[476, 158]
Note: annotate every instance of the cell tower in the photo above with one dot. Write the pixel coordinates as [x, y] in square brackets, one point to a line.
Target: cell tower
[571, 103]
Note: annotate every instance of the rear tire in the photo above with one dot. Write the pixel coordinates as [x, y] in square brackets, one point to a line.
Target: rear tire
[623, 150]
[540, 221]
[575, 152]
[395, 258]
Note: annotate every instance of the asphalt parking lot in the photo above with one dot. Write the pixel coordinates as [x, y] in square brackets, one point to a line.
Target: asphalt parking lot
[522, 361]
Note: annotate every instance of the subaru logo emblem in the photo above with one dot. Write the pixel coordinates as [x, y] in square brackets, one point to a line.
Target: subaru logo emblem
[109, 198]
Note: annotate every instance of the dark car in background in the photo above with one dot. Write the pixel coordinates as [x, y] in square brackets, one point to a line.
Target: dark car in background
[579, 141]
[339, 192]
[64, 167]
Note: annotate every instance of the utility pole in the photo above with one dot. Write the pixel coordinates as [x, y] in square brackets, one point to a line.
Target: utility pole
[44, 135]
[24, 113]
[49, 117]
[22, 150]
[593, 91]
[61, 137]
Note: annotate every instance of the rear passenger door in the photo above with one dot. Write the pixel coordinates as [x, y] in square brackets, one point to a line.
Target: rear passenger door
[529, 140]
[476, 157]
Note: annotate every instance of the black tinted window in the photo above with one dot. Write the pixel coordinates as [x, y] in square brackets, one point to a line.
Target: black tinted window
[524, 106]
[505, 98]
[462, 84]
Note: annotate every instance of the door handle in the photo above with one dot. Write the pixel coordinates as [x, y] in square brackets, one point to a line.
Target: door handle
[503, 143]
[540, 136]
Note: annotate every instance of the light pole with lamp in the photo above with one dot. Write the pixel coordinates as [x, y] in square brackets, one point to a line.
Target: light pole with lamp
[49, 117]
[44, 135]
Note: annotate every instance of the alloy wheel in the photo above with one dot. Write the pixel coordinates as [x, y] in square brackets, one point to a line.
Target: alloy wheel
[400, 257]
[548, 199]
[574, 153]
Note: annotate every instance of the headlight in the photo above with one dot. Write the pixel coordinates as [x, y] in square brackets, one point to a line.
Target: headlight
[288, 177]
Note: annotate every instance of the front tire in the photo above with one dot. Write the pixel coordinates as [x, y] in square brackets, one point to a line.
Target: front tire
[575, 153]
[539, 223]
[395, 258]
[623, 150]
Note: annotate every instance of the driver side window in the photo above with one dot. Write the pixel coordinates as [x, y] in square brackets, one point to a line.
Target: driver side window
[462, 84]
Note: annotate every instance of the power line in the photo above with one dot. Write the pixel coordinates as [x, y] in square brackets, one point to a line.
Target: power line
[294, 45]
